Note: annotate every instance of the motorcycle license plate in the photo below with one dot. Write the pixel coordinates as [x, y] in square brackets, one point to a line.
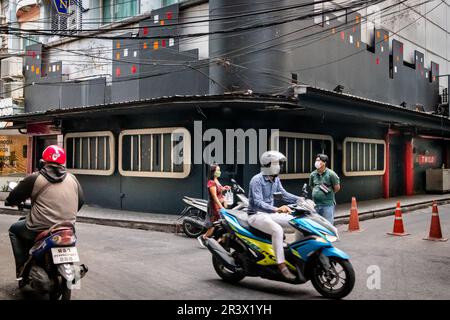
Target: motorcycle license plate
[65, 255]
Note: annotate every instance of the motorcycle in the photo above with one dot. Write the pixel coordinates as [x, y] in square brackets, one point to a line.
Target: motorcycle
[194, 214]
[52, 263]
[245, 251]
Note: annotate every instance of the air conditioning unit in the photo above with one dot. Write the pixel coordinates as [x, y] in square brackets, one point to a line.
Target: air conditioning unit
[4, 42]
[4, 37]
[13, 90]
[2, 89]
[74, 18]
[11, 68]
[443, 110]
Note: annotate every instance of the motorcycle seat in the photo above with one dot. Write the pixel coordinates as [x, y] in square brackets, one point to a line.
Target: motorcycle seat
[55, 228]
[242, 218]
[259, 233]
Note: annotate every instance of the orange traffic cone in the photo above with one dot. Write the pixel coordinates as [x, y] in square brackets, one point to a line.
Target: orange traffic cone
[398, 223]
[353, 224]
[435, 228]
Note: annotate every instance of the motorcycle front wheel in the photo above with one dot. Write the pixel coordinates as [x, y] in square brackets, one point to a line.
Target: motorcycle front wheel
[335, 283]
[190, 229]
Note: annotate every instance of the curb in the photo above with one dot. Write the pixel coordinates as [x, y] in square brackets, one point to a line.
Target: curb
[130, 224]
[141, 225]
[389, 211]
[176, 227]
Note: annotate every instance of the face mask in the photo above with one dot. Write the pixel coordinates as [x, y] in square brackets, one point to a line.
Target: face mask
[318, 164]
[217, 174]
[273, 170]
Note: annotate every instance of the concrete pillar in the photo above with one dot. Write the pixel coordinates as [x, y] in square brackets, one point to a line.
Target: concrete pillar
[44, 17]
[13, 41]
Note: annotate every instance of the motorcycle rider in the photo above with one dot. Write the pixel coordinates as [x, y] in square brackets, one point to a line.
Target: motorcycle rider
[56, 197]
[262, 213]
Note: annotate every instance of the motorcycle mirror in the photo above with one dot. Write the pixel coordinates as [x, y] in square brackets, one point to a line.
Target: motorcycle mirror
[41, 164]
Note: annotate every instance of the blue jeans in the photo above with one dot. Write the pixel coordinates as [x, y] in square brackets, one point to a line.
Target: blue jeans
[22, 239]
[327, 212]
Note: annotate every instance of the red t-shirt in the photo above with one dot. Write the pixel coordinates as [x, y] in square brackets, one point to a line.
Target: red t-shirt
[219, 193]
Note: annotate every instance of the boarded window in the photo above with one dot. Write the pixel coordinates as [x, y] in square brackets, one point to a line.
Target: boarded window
[158, 152]
[90, 152]
[301, 150]
[364, 157]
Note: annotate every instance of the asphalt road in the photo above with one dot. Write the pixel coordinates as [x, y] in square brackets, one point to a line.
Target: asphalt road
[135, 264]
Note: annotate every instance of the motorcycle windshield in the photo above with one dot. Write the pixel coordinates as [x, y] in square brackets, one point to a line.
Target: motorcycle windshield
[319, 223]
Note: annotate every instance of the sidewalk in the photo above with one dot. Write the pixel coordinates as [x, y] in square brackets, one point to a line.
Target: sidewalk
[371, 209]
[169, 223]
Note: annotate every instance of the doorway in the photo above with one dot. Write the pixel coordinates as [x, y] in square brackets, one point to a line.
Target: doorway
[397, 166]
[40, 143]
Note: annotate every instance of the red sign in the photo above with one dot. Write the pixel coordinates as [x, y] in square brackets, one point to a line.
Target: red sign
[423, 159]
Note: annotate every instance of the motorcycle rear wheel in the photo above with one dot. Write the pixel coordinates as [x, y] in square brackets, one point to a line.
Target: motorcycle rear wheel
[189, 229]
[61, 293]
[326, 284]
[225, 274]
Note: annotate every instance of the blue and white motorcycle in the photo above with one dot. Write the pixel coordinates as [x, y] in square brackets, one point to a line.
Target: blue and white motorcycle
[244, 251]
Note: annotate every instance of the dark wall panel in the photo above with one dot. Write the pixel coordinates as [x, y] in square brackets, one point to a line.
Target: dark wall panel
[324, 55]
[434, 151]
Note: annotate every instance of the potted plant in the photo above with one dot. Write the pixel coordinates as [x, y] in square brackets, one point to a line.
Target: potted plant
[4, 192]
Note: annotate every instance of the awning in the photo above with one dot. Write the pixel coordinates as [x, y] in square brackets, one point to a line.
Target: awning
[155, 104]
[302, 99]
[342, 104]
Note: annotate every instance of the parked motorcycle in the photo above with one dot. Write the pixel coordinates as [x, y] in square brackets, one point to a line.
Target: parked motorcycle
[245, 251]
[194, 214]
[52, 264]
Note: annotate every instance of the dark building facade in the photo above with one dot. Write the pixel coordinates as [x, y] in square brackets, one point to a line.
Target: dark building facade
[375, 115]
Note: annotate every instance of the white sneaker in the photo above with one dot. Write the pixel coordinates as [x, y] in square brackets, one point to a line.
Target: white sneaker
[201, 241]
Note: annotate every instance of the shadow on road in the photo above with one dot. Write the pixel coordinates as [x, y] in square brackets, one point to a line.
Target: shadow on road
[10, 291]
[269, 287]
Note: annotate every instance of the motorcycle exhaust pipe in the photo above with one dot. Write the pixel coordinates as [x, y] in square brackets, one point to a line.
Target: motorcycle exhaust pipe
[196, 222]
[221, 254]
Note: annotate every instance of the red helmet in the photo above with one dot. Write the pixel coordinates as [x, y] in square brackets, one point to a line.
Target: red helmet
[54, 154]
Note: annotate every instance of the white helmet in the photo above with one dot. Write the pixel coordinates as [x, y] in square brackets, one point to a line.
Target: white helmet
[270, 162]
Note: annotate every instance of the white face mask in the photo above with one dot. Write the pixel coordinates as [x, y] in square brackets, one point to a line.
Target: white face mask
[318, 164]
[273, 170]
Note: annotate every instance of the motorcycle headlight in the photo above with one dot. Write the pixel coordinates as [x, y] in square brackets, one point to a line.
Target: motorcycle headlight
[330, 238]
[320, 239]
